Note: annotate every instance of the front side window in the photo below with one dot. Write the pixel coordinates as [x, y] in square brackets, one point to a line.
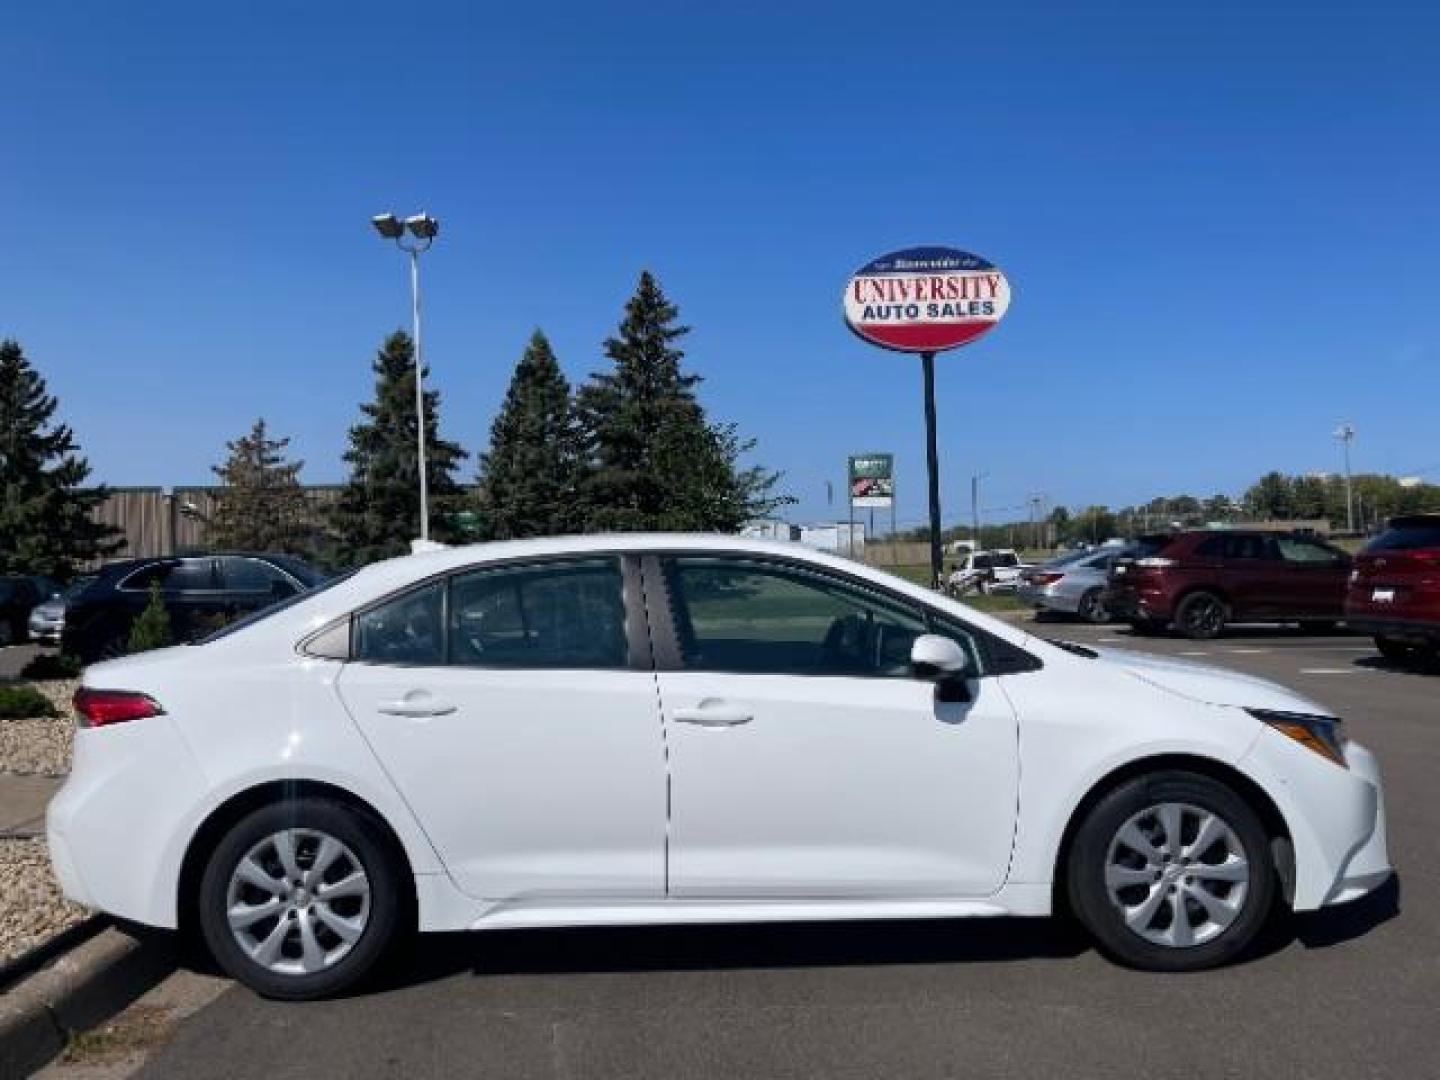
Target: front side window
[1296, 549]
[240, 574]
[554, 615]
[762, 617]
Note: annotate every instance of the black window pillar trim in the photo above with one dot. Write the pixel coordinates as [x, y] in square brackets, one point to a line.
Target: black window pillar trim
[639, 646]
[659, 614]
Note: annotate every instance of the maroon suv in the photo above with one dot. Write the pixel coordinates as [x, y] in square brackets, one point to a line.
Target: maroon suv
[1395, 589]
[1204, 579]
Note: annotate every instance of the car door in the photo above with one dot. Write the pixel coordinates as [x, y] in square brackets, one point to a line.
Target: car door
[1316, 577]
[516, 710]
[1253, 576]
[805, 760]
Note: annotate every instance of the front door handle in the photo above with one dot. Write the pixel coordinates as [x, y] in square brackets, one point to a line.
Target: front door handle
[712, 713]
[416, 706]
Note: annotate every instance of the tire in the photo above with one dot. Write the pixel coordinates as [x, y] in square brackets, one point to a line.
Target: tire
[310, 959]
[1134, 920]
[1393, 649]
[1092, 607]
[1201, 616]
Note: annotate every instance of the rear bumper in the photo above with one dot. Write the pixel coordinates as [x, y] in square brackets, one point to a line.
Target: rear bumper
[1046, 599]
[1390, 626]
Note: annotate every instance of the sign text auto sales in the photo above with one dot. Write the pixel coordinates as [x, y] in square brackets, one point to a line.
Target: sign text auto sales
[937, 296]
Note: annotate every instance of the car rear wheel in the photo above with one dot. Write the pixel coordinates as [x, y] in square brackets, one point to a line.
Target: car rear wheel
[1406, 652]
[301, 899]
[1201, 616]
[1172, 872]
[1092, 607]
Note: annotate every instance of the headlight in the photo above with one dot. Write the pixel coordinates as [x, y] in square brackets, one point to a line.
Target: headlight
[1322, 734]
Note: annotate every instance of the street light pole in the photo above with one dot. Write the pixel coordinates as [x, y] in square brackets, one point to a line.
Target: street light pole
[1346, 434]
[423, 229]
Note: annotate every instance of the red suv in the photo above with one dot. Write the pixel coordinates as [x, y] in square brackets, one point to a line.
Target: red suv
[1202, 580]
[1395, 589]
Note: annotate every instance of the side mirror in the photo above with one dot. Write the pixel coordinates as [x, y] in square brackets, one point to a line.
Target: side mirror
[940, 660]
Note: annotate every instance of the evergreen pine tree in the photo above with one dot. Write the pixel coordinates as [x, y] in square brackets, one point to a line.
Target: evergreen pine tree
[45, 522]
[151, 628]
[528, 478]
[378, 512]
[653, 461]
[262, 505]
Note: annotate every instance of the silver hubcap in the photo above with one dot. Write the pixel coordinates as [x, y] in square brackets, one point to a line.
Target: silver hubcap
[1177, 874]
[298, 902]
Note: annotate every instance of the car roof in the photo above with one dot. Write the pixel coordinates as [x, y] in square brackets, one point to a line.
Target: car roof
[1414, 521]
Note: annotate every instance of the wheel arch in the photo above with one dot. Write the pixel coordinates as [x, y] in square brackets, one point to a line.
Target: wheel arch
[1276, 827]
[227, 813]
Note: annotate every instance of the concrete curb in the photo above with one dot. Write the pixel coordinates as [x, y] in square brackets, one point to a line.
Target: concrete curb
[85, 986]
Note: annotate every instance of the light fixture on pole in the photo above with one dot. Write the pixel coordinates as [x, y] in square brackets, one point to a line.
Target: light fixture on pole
[1346, 434]
[422, 229]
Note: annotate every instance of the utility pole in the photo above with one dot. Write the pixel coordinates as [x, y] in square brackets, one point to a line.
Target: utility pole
[1346, 434]
[975, 506]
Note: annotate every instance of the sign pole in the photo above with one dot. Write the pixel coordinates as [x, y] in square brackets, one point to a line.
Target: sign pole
[932, 462]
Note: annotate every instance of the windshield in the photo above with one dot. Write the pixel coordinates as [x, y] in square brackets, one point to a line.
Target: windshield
[274, 609]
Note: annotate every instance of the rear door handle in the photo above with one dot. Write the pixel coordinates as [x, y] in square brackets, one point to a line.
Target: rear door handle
[416, 706]
[710, 713]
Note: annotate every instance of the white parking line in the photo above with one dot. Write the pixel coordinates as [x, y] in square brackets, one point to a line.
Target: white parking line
[1247, 652]
[1195, 653]
[1329, 671]
[1111, 640]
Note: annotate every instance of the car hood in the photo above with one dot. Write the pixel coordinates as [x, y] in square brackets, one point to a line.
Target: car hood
[1212, 685]
[50, 609]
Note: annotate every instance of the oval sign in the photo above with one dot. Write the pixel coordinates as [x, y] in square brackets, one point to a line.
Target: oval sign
[925, 299]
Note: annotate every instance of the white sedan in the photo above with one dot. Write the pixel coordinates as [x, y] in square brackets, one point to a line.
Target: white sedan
[687, 729]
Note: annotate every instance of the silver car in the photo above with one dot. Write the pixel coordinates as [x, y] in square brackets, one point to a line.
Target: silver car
[1073, 583]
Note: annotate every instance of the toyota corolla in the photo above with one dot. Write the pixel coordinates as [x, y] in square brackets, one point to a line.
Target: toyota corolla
[683, 729]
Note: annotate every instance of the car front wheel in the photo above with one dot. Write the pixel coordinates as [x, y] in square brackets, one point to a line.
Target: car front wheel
[1172, 872]
[301, 899]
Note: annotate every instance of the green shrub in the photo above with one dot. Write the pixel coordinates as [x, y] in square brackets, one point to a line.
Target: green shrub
[51, 666]
[152, 628]
[23, 702]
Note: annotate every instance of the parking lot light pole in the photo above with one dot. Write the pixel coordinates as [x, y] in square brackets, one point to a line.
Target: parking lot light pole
[1346, 434]
[422, 229]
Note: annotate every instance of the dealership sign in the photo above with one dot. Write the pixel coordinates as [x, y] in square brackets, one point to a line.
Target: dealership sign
[925, 299]
[872, 480]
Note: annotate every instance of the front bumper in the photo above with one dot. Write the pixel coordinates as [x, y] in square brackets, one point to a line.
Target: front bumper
[1335, 816]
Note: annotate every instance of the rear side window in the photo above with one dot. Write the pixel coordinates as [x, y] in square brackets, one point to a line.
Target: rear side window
[1407, 536]
[562, 615]
[407, 629]
[179, 576]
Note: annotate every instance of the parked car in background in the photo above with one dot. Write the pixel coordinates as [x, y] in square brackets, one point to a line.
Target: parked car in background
[640, 730]
[1202, 580]
[1073, 583]
[984, 571]
[18, 594]
[1395, 589]
[47, 618]
[201, 593]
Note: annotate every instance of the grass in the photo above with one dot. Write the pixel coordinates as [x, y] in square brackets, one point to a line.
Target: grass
[24, 703]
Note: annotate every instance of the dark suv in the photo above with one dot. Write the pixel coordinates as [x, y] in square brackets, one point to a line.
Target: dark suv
[201, 593]
[1200, 581]
[1395, 589]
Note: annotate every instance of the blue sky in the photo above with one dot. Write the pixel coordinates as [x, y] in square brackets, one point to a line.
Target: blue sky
[1220, 223]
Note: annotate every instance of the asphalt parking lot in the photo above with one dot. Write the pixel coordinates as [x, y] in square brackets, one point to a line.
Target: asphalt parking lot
[1351, 992]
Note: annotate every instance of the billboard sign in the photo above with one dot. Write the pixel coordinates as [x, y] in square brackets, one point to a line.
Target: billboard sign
[872, 480]
[925, 299]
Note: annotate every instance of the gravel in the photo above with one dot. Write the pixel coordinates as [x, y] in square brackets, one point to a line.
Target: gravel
[40, 746]
[31, 907]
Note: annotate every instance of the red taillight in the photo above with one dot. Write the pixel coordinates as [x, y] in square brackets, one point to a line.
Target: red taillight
[98, 708]
[1046, 578]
